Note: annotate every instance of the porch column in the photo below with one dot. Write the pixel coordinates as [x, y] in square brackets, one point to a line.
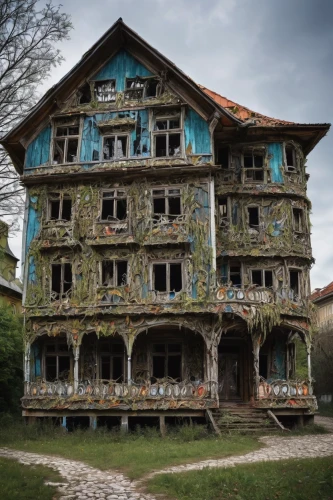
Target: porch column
[308, 348]
[76, 352]
[129, 370]
[256, 350]
[213, 368]
[27, 366]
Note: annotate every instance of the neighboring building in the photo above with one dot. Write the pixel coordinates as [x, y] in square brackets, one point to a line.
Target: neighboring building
[323, 299]
[167, 244]
[10, 288]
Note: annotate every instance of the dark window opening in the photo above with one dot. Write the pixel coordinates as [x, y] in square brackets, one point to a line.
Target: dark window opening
[134, 88]
[115, 147]
[57, 361]
[55, 209]
[174, 206]
[167, 202]
[236, 275]
[114, 205]
[223, 216]
[298, 220]
[290, 156]
[263, 366]
[174, 145]
[105, 91]
[72, 151]
[61, 281]
[262, 277]
[66, 209]
[253, 217]
[167, 361]
[151, 88]
[161, 145]
[294, 281]
[85, 97]
[60, 209]
[51, 368]
[253, 165]
[160, 277]
[112, 368]
[223, 157]
[176, 277]
[159, 205]
[114, 272]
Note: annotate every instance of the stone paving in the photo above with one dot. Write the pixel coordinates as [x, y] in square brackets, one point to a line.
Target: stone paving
[82, 482]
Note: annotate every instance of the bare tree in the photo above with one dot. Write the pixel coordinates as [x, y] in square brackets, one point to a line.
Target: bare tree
[27, 53]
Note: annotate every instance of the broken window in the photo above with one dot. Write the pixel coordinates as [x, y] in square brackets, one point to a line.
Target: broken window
[105, 91]
[61, 281]
[223, 157]
[57, 361]
[262, 277]
[65, 144]
[167, 137]
[294, 284]
[115, 147]
[114, 205]
[111, 360]
[290, 159]
[59, 207]
[166, 204]
[114, 272]
[167, 361]
[253, 162]
[167, 277]
[298, 220]
[223, 212]
[253, 217]
[231, 274]
[141, 88]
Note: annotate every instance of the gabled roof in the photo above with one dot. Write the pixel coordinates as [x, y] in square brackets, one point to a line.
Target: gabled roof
[322, 293]
[206, 102]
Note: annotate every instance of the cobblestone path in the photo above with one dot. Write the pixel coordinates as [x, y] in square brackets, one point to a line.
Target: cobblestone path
[82, 482]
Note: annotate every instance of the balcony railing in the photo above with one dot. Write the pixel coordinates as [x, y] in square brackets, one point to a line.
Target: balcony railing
[284, 389]
[110, 389]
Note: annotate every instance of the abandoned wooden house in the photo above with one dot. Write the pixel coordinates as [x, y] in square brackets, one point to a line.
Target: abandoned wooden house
[166, 246]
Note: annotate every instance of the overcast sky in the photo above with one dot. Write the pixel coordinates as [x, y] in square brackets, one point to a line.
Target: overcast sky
[273, 56]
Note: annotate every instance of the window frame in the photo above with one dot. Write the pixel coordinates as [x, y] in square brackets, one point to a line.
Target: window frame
[301, 220]
[144, 81]
[166, 354]
[57, 354]
[167, 132]
[226, 279]
[115, 199]
[111, 355]
[61, 295]
[253, 226]
[167, 262]
[67, 137]
[293, 295]
[254, 152]
[115, 136]
[112, 92]
[223, 221]
[58, 197]
[263, 277]
[166, 197]
[290, 169]
[114, 283]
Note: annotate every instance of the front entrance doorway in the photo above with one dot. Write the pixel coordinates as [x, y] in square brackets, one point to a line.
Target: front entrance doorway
[234, 368]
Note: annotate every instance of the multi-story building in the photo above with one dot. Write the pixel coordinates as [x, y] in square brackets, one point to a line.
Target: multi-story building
[10, 287]
[166, 242]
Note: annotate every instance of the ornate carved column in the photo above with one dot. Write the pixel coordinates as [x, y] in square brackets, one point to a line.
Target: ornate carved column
[76, 353]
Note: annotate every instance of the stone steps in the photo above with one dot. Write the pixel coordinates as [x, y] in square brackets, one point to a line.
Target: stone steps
[242, 418]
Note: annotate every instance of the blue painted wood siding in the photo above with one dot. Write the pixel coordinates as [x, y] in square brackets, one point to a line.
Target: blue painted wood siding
[197, 135]
[33, 227]
[120, 67]
[275, 152]
[38, 151]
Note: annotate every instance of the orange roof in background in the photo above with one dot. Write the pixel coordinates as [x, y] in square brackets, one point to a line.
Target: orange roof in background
[243, 113]
[320, 293]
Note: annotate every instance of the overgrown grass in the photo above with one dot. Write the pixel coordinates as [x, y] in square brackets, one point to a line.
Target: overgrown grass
[326, 409]
[23, 482]
[135, 453]
[297, 479]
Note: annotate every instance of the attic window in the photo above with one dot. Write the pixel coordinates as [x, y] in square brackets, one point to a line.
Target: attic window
[65, 144]
[114, 205]
[105, 91]
[167, 137]
[134, 88]
[114, 272]
[167, 277]
[115, 147]
[253, 162]
[59, 207]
